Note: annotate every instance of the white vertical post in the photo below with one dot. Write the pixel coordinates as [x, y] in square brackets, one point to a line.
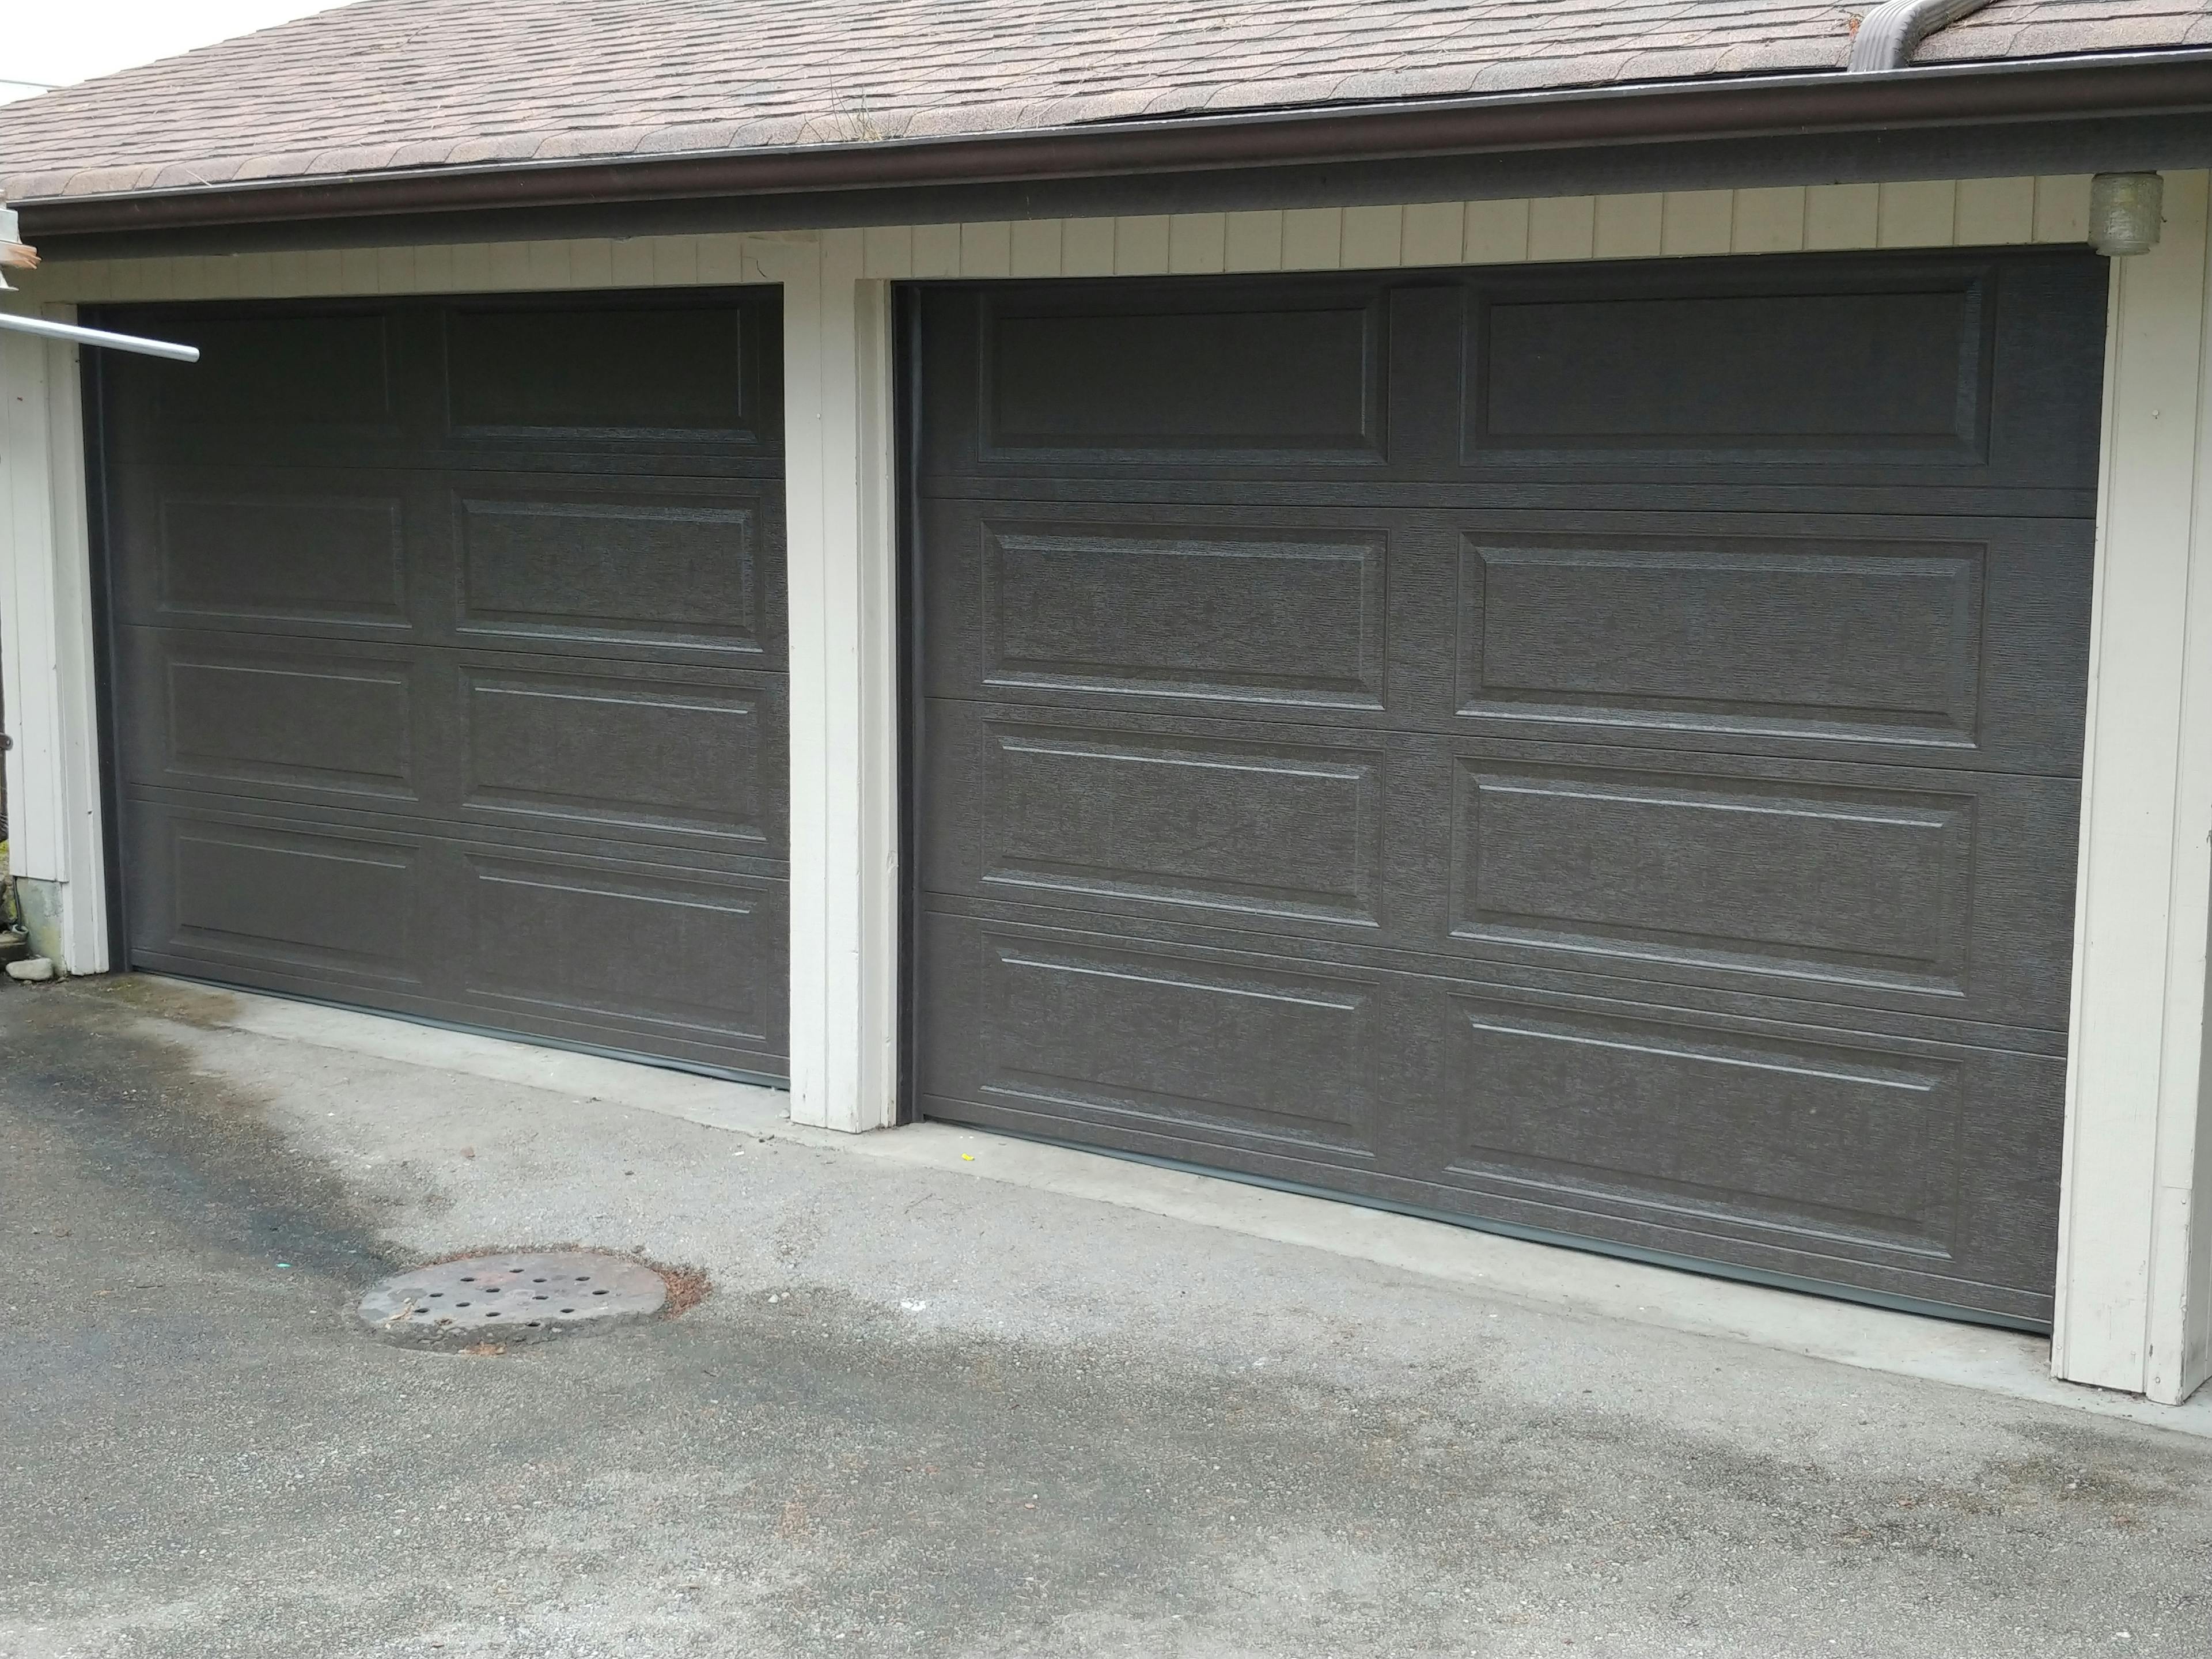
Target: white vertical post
[2135, 1262]
[842, 589]
[56, 845]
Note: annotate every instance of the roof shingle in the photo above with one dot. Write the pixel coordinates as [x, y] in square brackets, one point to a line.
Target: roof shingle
[383, 84]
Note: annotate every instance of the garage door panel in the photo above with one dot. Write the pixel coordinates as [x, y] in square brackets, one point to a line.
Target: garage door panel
[1823, 634]
[1143, 603]
[583, 940]
[1956, 643]
[652, 957]
[1885, 886]
[1251, 828]
[1906, 373]
[1821, 881]
[233, 892]
[1236, 824]
[1132, 375]
[614, 754]
[1679, 1118]
[326, 382]
[472, 706]
[1804, 362]
[273, 717]
[462, 743]
[1894, 1165]
[322, 550]
[1215, 612]
[1912, 372]
[1854, 639]
[548, 563]
[1145, 1038]
[664, 370]
[1564, 973]
[1633, 800]
[1921, 1169]
[654, 383]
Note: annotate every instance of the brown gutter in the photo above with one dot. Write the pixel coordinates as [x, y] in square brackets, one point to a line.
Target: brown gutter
[2136, 84]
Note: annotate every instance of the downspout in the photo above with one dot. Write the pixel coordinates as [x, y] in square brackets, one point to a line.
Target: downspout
[1889, 34]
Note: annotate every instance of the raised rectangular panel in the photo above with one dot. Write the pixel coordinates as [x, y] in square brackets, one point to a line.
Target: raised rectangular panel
[1194, 374]
[1852, 640]
[629, 753]
[1797, 879]
[307, 899]
[682, 369]
[1661, 1115]
[307, 558]
[1815, 376]
[1252, 615]
[1260, 828]
[320, 722]
[559, 939]
[332, 370]
[1141, 1038]
[609, 569]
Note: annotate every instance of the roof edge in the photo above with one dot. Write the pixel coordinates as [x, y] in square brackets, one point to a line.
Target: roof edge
[2134, 83]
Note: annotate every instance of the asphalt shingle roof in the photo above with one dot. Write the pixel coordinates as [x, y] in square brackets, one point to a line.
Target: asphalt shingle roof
[384, 84]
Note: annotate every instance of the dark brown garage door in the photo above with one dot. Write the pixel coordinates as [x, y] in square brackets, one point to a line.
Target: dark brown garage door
[448, 663]
[1593, 751]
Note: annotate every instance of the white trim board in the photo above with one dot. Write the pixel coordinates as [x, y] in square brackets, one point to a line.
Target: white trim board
[2134, 1259]
[1808, 218]
[47, 684]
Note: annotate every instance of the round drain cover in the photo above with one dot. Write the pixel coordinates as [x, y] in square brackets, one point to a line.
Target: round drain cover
[511, 1298]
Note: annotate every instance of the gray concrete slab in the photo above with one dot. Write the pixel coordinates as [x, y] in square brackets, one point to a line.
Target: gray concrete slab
[923, 1414]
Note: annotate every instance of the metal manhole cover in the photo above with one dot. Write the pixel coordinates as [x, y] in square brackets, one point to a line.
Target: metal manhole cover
[511, 1298]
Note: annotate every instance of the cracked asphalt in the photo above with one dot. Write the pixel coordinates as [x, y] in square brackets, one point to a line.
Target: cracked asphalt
[922, 1415]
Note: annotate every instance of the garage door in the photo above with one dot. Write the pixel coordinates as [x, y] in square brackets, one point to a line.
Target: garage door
[1590, 751]
[448, 663]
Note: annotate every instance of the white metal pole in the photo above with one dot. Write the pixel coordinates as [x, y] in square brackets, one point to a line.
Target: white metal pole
[98, 337]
